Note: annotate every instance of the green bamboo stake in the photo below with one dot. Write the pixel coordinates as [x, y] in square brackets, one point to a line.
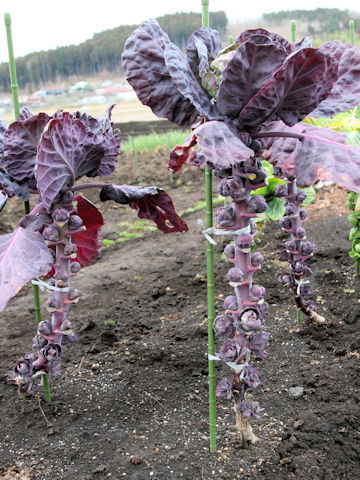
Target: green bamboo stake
[293, 39]
[210, 280]
[293, 30]
[351, 28]
[15, 96]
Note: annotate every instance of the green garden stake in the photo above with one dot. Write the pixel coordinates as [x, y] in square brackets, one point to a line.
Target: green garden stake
[351, 28]
[293, 30]
[293, 39]
[138, 167]
[210, 280]
[15, 96]
[168, 141]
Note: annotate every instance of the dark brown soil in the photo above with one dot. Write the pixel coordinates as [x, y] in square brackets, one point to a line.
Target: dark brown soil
[132, 399]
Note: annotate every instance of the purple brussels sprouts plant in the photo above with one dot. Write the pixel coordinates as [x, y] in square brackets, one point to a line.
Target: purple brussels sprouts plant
[250, 97]
[46, 156]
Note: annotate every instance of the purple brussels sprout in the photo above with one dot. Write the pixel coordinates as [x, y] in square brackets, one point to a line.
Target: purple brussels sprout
[223, 326]
[281, 190]
[257, 292]
[230, 303]
[62, 277]
[250, 320]
[286, 279]
[264, 310]
[68, 196]
[285, 222]
[44, 328]
[305, 290]
[307, 248]
[257, 204]
[300, 233]
[249, 408]
[230, 351]
[74, 294]
[53, 303]
[250, 376]
[70, 250]
[229, 252]
[51, 233]
[303, 214]
[290, 246]
[61, 216]
[301, 196]
[244, 242]
[235, 276]
[256, 259]
[223, 389]
[259, 343]
[291, 209]
[24, 367]
[39, 342]
[232, 187]
[75, 267]
[51, 352]
[225, 217]
[75, 222]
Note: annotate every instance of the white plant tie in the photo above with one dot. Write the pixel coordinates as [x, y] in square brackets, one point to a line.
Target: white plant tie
[299, 283]
[219, 231]
[44, 285]
[235, 366]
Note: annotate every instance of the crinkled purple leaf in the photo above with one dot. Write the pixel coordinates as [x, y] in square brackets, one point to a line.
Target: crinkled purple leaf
[23, 256]
[321, 155]
[252, 66]
[143, 60]
[25, 114]
[275, 39]
[32, 222]
[296, 88]
[202, 48]
[3, 200]
[187, 83]
[110, 141]
[150, 203]
[20, 145]
[217, 147]
[11, 187]
[67, 151]
[2, 132]
[345, 93]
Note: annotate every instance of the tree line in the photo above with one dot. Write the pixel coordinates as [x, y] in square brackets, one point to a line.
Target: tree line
[98, 54]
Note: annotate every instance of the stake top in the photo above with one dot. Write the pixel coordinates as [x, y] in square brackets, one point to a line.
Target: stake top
[293, 25]
[351, 24]
[7, 18]
[204, 2]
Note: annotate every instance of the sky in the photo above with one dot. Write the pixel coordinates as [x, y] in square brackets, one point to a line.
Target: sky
[44, 24]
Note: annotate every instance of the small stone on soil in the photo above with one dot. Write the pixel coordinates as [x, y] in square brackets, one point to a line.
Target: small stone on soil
[296, 392]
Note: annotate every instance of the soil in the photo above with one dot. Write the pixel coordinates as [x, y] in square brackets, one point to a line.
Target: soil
[132, 399]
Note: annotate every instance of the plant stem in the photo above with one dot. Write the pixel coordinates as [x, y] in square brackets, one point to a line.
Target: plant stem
[14, 89]
[210, 280]
[299, 317]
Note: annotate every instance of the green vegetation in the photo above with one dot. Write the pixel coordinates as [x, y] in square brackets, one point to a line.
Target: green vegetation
[98, 54]
[154, 142]
[129, 231]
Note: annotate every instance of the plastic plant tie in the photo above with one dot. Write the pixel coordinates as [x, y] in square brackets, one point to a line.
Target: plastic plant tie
[219, 231]
[299, 283]
[235, 366]
[44, 285]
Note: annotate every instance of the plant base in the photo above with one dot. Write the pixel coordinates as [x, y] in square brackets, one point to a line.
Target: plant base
[245, 432]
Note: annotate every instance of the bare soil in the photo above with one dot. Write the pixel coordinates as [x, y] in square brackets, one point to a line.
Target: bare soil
[132, 399]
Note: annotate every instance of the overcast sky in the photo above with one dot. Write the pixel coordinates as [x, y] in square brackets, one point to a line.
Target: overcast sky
[44, 24]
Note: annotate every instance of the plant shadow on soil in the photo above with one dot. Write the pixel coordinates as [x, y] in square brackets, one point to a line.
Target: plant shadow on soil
[132, 399]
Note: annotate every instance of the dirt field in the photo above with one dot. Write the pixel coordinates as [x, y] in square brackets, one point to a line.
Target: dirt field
[132, 399]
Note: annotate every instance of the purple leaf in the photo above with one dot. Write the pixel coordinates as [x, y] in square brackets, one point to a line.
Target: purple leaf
[186, 82]
[25, 114]
[218, 148]
[276, 39]
[3, 200]
[345, 93]
[11, 187]
[107, 136]
[296, 88]
[321, 155]
[143, 60]
[150, 203]
[20, 145]
[249, 70]
[202, 47]
[2, 132]
[67, 151]
[23, 256]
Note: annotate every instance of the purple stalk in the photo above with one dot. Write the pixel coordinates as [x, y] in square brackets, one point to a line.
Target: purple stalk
[53, 334]
[241, 325]
[297, 251]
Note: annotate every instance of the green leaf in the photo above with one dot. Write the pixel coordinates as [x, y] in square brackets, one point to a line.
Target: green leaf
[353, 139]
[310, 195]
[275, 209]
